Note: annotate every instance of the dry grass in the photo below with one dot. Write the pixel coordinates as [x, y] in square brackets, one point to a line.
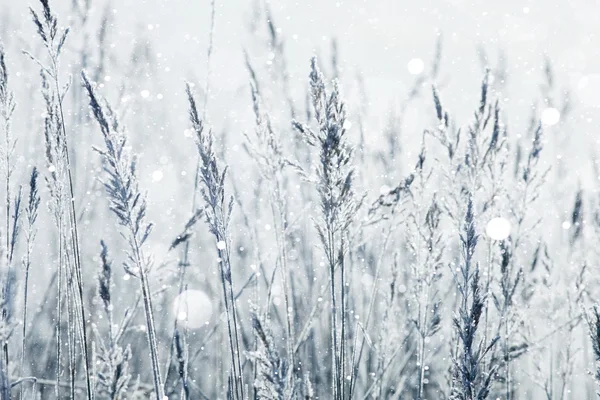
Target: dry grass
[315, 275]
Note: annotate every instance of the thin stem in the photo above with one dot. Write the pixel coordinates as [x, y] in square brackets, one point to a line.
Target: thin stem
[74, 237]
[334, 344]
[279, 219]
[224, 255]
[25, 298]
[151, 332]
[487, 293]
[231, 343]
[70, 333]
[507, 358]
[6, 289]
[59, 307]
[185, 260]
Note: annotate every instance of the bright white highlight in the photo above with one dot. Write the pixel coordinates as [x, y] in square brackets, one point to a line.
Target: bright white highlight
[415, 66]
[157, 175]
[498, 228]
[587, 90]
[550, 116]
[194, 306]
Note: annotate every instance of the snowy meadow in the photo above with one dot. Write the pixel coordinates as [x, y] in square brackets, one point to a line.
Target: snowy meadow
[273, 200]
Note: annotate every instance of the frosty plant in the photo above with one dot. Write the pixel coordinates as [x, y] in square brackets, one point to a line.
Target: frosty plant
[113, 360]
[335, 176]
[7, 108]
[593, 322]
[272, 370]
[57, 152]
[128, 203]
[426, 242]
[30, 231]
[218, 216]
[470, 380]
[338, 304]
[266, 150]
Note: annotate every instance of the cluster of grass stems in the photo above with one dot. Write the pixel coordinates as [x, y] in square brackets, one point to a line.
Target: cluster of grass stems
[351, 292]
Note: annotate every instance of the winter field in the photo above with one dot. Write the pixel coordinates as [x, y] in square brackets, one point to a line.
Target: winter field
[314, 200]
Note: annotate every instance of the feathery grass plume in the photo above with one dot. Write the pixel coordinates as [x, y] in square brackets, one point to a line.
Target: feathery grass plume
[335, 175]
[510, 324]
[10, 280]
[128, 203]
[593, 321]
[218, 217]
[532, 180]
[266, 150]
[426, 242]
[7, 98]
[481, 148]
[533, 157]
[55, 132]
[478, 165]
[271, 380]
[266, 147]
[54, 40]
[470, 381]
[387, 203]
[30, 232]
[442, 132]
[55, 181]
[113, 375]
[7, 108]
[504, 302]
[494, 162]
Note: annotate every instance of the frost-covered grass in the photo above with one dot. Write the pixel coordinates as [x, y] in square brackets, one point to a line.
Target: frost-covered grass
[307, 256]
